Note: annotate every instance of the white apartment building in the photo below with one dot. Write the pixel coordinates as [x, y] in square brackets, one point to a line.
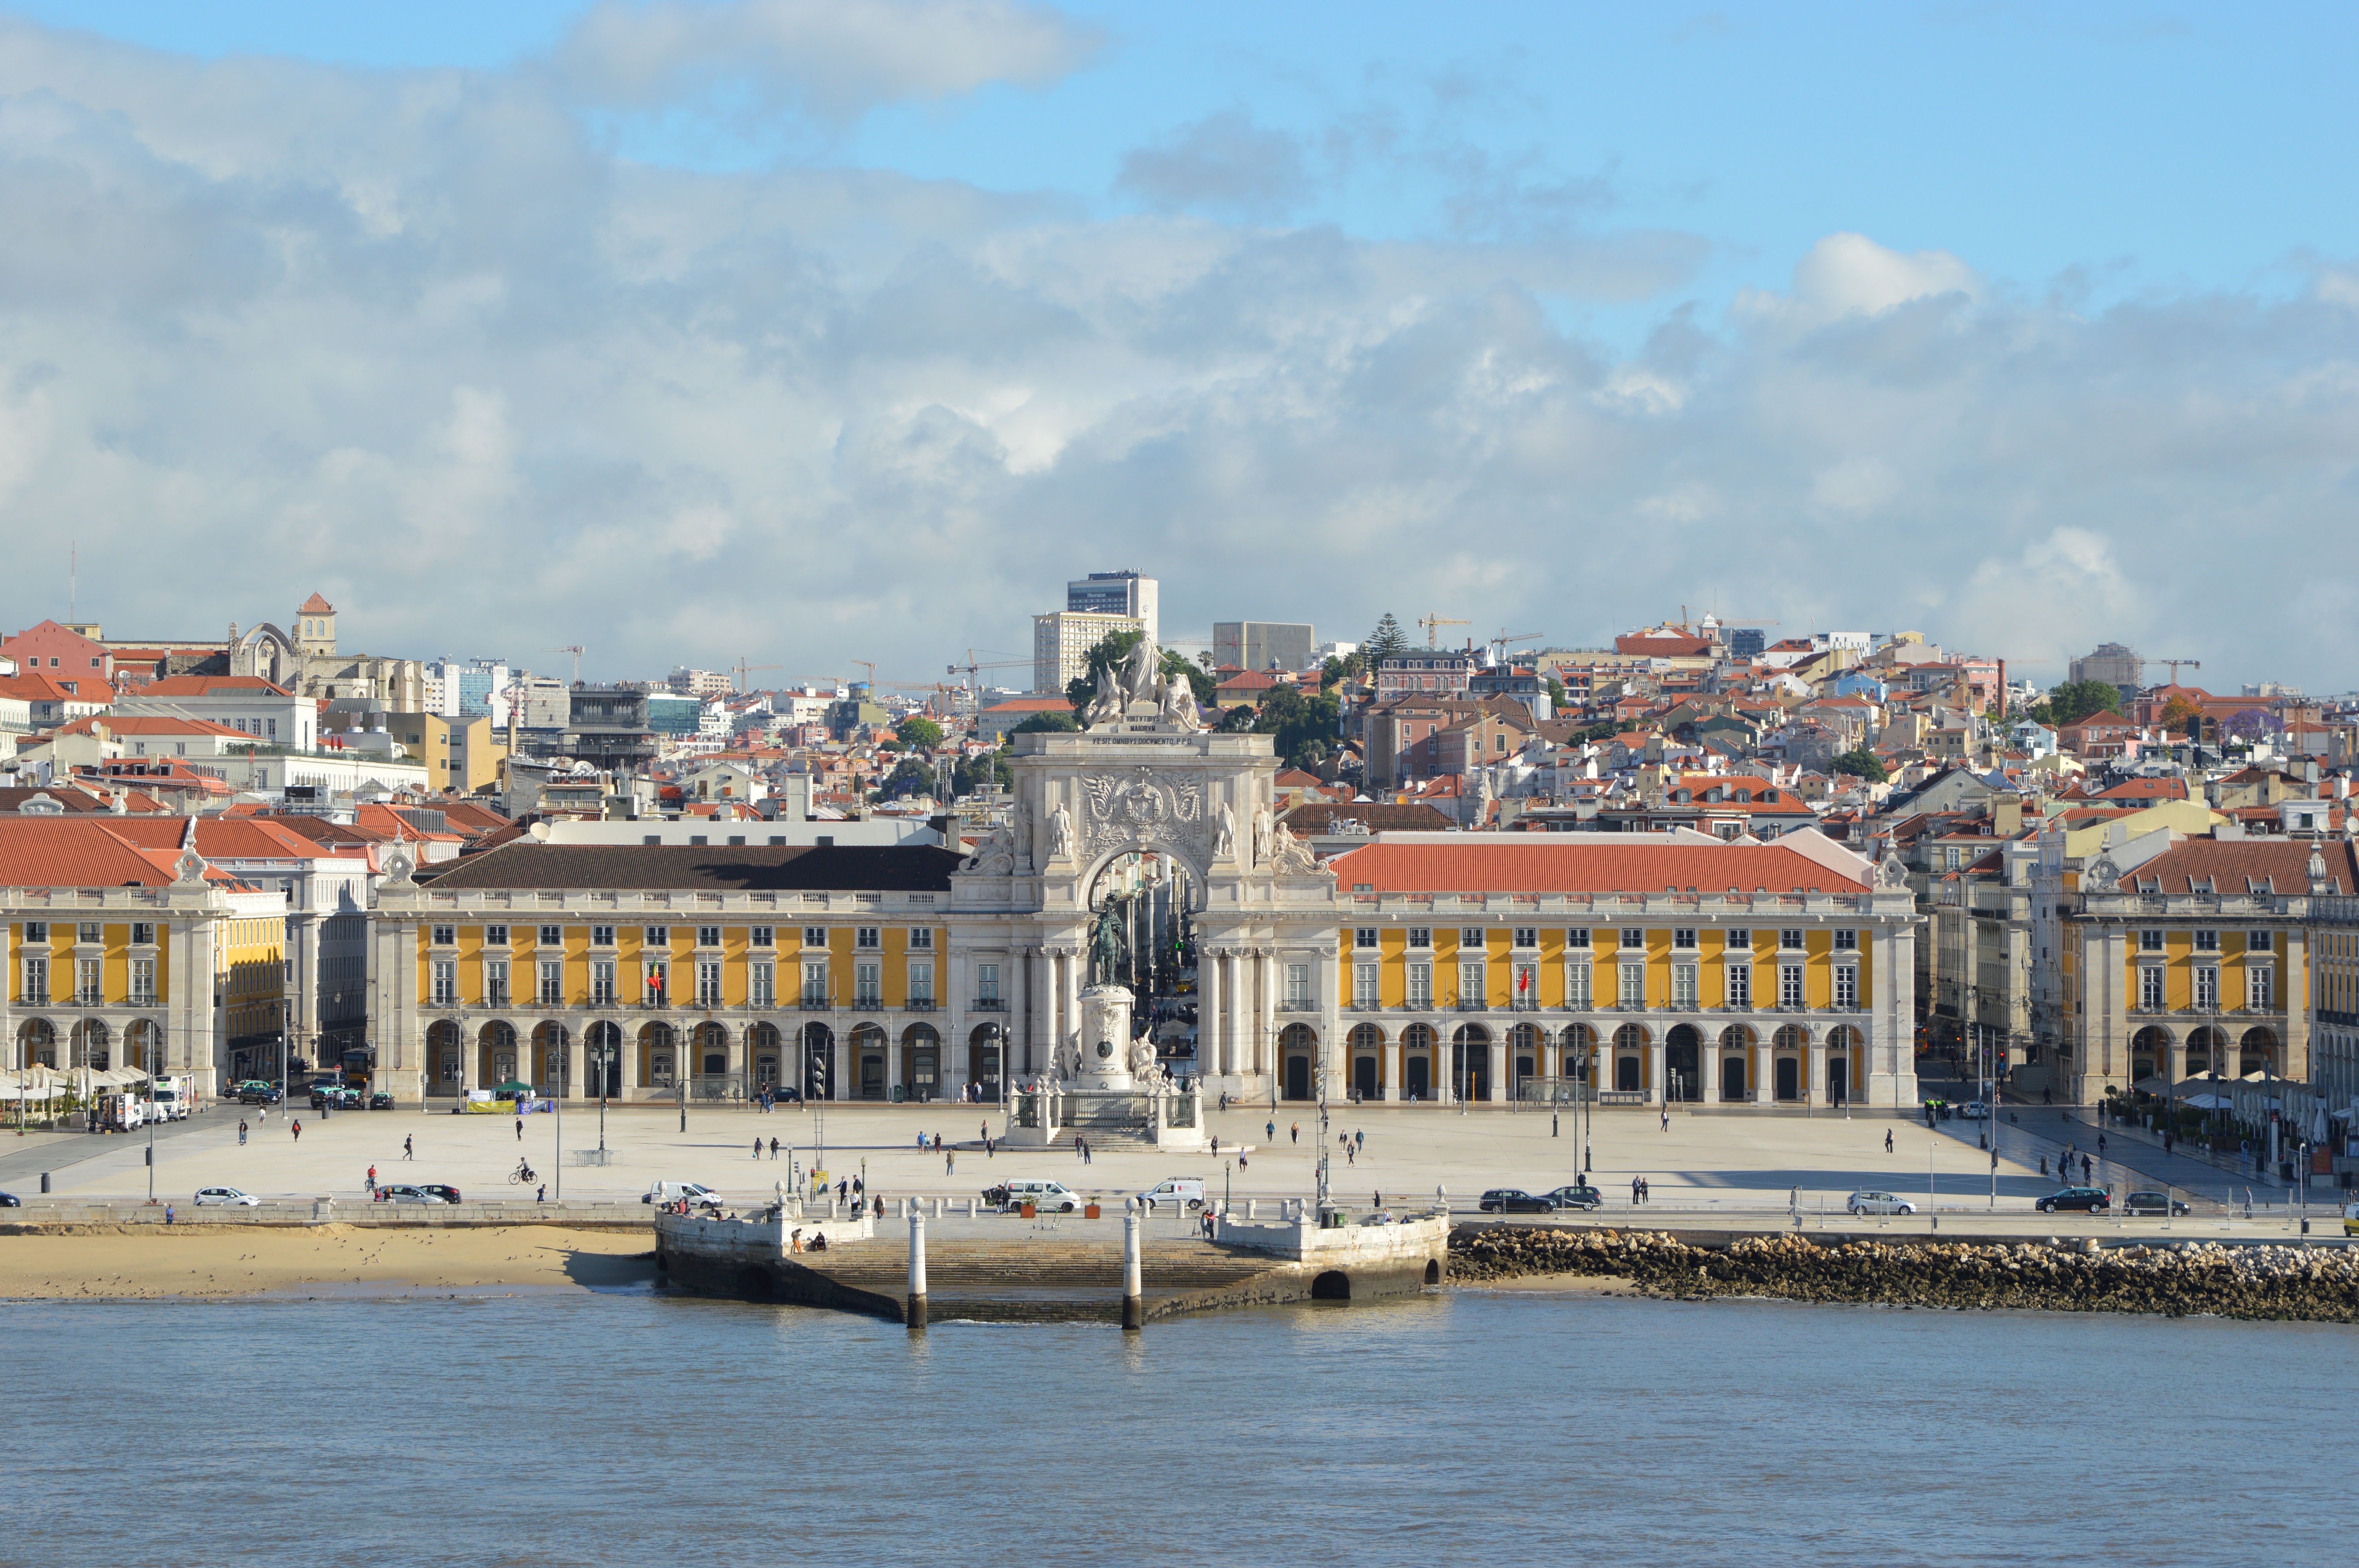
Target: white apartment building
[1061, 643]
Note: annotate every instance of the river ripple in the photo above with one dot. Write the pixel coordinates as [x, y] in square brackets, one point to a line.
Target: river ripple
[1466, 1427]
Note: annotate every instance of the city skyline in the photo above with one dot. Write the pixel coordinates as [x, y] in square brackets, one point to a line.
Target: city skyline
[697, 332]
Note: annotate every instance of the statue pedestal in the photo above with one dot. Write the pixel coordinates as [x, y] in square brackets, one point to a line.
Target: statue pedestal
[1105, 1042]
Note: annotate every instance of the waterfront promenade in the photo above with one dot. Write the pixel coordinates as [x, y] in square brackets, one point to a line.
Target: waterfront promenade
[1702, 1163]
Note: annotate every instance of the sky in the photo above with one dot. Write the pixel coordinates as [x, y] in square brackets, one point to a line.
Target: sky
[813, 331]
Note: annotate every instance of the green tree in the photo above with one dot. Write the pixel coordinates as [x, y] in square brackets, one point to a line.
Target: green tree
[918, 733]
[1387, 640]
[1556, 693]
[908, 777]
[1861, 763]
[1303, 727]
[2075, 700]
[1051, 721]
[973, 776]
[1114, 648]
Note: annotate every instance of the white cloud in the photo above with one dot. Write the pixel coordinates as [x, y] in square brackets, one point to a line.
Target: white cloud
[415, 340]
[838, 56]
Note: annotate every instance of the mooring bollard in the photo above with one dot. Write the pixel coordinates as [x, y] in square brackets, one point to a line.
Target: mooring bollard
[1253, 1208]
[1134, 1301]
[916, 1270]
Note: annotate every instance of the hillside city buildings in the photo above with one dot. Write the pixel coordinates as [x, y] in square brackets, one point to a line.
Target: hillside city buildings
[1701, 863]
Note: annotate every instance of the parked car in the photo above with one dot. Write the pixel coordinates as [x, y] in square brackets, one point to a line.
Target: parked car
[1513, 1200]
[229, 1197]
[1044, 1196]
[2093, 1200]
[258, 1093]
[698, 1194]
[381, 1100]
[10, 1200]
[1879, 1203]
[1180, 1191]
[2351, 1220]
[436, 1189]
[1575, 1196]
[402, 1192]
[2154, 1203]
[1974, 1110]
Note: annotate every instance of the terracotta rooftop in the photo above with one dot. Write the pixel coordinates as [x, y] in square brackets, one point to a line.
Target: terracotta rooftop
[2235, 867]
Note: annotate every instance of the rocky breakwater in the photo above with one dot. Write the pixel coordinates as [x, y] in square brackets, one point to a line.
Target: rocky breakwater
[2313, 1284]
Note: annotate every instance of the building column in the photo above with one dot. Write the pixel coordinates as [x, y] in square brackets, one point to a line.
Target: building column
[1708, 1064]
[1265, 1010]
[1390, 1073]
[2176, 1067]
[1818, 1068]
[1037, 1005]
[2293, 1000]
[1658, 1069]
[1208, 1012]
[1069, 1017]
[1496, 1052]
[1765, 1082]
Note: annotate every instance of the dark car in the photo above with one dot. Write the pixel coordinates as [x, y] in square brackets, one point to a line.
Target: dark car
[10, 1200]
[381, 1100]
[1513, 1200]
[2154, 1203]
[1576, 1196]
[252, 1095]
[2093, 1200]
[325, 1095]
[437, 1190]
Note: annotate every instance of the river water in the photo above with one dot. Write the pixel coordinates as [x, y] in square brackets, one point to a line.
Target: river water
[1468, 1427]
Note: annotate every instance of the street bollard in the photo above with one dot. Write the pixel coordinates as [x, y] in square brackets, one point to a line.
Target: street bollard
[917, 1314]
[1134, 1300]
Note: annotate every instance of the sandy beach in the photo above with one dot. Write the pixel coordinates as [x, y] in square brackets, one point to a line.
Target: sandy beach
[144, 1262]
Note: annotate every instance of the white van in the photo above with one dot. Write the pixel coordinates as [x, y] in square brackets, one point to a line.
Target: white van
[1044, 1196]
[698, 1194]
[169, 1099]
[1185, 1192]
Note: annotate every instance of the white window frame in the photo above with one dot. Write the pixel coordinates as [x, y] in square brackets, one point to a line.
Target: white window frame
[922, 981]
[1847, 987]
[1683, 985]
[708, 982]
[143, 982]
[552, 935]
[1298, 986]
[552, 982]
[1736, 983]
[1792, 985]
[708, 937]
[1367, 981]
[814, 935]
[1576, 986]
[1421, 937]
[601, 981]
[2207, 987]
[495, 982]
[814, 982]
[762, 983]
[1630, 988]
[1421, 985]
[986, 982]
[868, 984]
[2261, 985]
[445, 975]
[1474, 981]
[921, 939]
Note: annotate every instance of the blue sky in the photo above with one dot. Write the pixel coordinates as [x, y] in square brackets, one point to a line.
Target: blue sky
[1972, 306]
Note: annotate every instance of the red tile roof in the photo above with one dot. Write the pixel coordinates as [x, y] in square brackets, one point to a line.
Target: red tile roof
[315, 605]
[1583, 862]
[84, 853]
[2236, 866]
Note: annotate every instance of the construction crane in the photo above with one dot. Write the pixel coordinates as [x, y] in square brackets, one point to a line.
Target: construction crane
[576, 650]
[1430, 622]
[870, 665]
[741, 666]
[1505, 637]
[2174, 664]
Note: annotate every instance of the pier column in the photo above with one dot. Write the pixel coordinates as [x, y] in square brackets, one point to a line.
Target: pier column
[1708, 1063]
[1657, 1070]
[2177, 1068]
[1035, 998]
[1818, 1072]
[1134, 1298]
[917, 1313]
[1068, 1015]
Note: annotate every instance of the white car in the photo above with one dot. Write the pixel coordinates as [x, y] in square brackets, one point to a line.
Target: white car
[1974, 1110]
[1879, 1203]
[229, 1197]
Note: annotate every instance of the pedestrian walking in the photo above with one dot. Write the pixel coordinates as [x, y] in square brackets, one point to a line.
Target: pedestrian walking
[1887, 1140]
[407, 1151]
[519, 1128]
[542, 1196]
[757, 1148]
[1351, 1152]
[986, 1146]
[774, 1148]
[985, 1133]
[1360, 1136]
[1667, 1118]
[1294, 1132]
[298, 1132]
[1634, 1192]
[1270, 1133]
[168, 1217]
[372, 1181]
[2084, 1170]
[1087, 1155]
[240, 1132]
[950, 1162]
